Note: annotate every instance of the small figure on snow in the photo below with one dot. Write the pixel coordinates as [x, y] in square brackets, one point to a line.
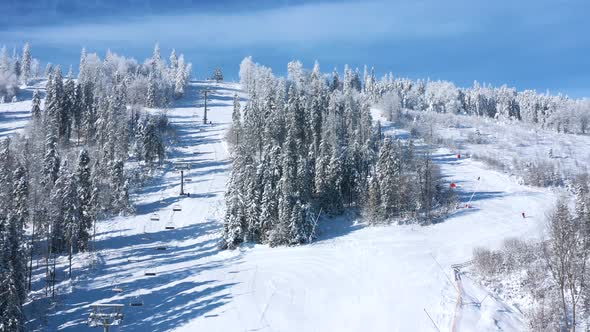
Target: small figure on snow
[523, 216]
[458, 156]
[478, 178]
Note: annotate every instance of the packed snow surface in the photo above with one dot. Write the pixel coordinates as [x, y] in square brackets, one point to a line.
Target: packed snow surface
[353, 278]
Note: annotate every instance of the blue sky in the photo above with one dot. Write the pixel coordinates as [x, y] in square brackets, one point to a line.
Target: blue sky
[528, 44]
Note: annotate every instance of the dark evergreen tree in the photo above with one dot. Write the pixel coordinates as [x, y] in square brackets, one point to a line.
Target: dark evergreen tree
[36, 108]
[86, 213]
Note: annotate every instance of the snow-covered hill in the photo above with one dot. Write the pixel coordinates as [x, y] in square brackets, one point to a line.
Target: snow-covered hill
[353, 278]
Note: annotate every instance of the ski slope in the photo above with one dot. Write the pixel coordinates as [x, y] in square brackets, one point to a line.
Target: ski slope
[15, 116]
[353, 278]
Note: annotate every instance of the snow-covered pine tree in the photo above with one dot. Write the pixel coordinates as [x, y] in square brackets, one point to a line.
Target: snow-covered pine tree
[235, 224]
[66, 198]
[51, 160]
[173, 60]
[86, 214]
[270, 181]
[68, 107]
[20, 197]
[373, 205]
[26, 64]
[119, 187]
[58, 240]
[151, 99]
[218, 75]
[88, 112]
[152, 146]
[318, 105]
[12, 277]
[180, 77]
[236, 117]
[387, 172]
[55, 109]
[253, 201]
[36, 109]
[48, 96]
[335, 81]
[156, 58]
[82, 68]
[77, 111]
[48, 69]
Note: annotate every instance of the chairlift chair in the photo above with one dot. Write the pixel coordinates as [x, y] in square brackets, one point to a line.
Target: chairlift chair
[169, 225]
[136, 301]
[155, 217]
[150, 272]
[115, 287]
[188, 180]
[177, 207]
[161, 248]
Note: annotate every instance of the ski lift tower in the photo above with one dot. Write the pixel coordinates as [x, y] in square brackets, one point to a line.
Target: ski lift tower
[205, 94]
[182, 167]
[105, 315]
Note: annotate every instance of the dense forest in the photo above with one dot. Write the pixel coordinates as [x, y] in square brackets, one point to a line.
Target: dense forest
[70, 167]
[307, 146]
[556, 112]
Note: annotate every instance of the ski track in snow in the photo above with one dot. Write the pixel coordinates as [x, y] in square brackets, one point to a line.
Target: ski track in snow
[353, 278]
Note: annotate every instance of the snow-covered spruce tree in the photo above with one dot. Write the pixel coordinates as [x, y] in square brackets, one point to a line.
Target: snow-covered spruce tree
[388, 167]
[236, 120]
[70, 206]
[119, 188]
[51, 160]
[271, 174]
[173, 60]
[235, 224]
[58, 193]
[13, 215]
[36, 108]
[68, 107]
[151, 99]
[12, 276]
[26, 64]
[218, 75]
[20, 197]
[180, 77]
[86, 213]
[151, 142]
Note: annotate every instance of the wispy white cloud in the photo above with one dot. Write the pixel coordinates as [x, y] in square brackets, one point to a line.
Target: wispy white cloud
[304, 24]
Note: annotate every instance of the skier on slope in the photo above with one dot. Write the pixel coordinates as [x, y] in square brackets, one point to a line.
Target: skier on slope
[523, 216]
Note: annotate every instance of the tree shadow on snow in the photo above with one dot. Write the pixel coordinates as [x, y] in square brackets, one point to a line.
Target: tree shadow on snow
[330, 228]
[170, 299]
